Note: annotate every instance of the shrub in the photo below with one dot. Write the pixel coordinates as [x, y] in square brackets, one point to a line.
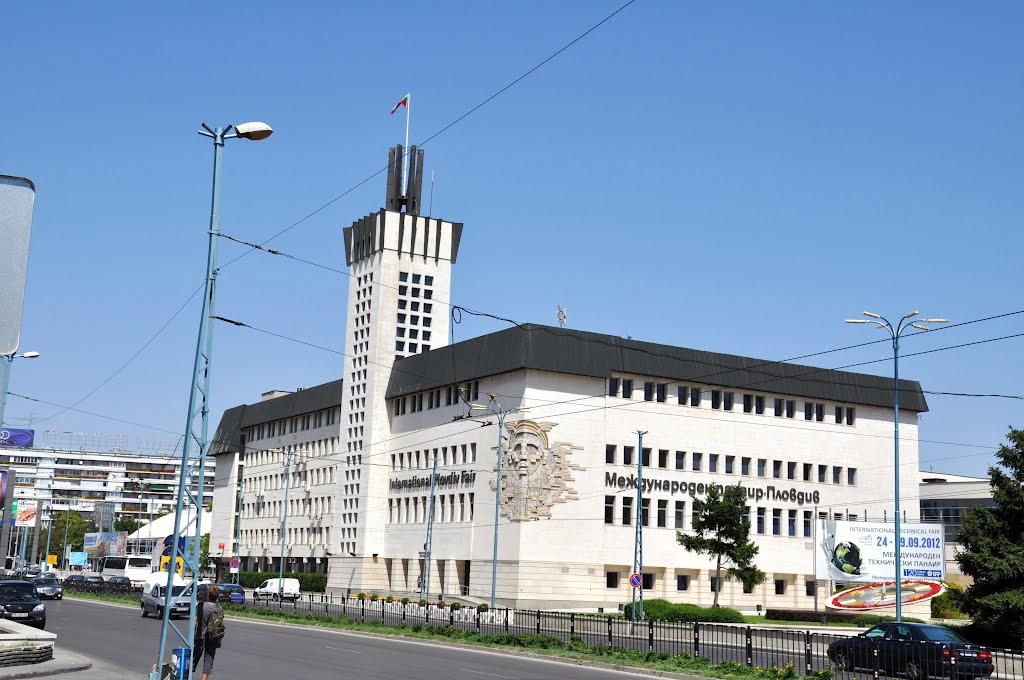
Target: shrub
[313, 583]
[482, 608]
[361, 596]
[949, 605]
[405, 600]
[810, 616]
[389, 598]
[663, 610]
[374, 597]
[441, 603]
[423, 603]
[456, 606]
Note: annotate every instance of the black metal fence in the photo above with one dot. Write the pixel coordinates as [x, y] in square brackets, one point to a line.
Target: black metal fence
[782, 652]
[124, 590]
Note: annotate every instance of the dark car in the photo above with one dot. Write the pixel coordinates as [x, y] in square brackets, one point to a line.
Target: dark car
[95, 580]
[120, 582]
[914, 650]
[73, 580]
[230, 593]
[49, 587]
[19, 601]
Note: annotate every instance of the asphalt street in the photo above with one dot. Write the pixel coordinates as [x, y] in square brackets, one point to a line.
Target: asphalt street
[125, 645]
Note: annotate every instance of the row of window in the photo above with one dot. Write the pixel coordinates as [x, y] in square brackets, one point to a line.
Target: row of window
[447, 508]
[725, 400]
[276, 428]
[312, 449]
[296, 536]
[428, 280]
[453, 394]
[727, 463]
[684, 581]
[412, 460]
[297, 507]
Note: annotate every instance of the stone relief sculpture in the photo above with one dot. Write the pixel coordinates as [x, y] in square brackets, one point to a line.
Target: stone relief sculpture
[535, 473]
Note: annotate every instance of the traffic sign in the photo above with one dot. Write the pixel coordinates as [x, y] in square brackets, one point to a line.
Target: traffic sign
[636, 580]
[235, 566]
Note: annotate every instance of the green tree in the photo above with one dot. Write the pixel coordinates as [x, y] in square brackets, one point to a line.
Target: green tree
[77, 525]
[721, 530]
[992, 547]
[128, 524]
[204, 551]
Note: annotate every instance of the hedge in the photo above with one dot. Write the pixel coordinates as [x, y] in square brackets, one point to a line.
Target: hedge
[663, 610]
[810, 616]
[314, 583]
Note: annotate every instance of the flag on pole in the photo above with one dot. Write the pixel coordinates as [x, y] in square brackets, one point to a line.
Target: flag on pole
[404, 101]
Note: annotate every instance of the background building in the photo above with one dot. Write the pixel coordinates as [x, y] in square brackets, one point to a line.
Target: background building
[944, 500]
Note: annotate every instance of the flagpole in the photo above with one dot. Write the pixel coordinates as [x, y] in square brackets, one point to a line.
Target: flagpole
[405, 166]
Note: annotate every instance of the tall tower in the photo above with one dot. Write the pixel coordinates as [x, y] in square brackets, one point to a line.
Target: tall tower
[398, 304]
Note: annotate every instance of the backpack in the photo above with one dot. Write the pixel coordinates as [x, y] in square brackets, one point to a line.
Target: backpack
[213, 625]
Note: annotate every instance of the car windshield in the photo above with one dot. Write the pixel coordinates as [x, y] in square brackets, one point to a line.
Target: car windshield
[45, 581]
[940, 634]
[139, 562]
[175, 592]
[17, 592]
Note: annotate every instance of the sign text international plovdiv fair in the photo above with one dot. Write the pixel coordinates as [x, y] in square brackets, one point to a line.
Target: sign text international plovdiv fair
[444, 481]
[771, 493]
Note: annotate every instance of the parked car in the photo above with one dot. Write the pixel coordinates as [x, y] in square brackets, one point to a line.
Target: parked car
[19, 601]
[153, 596]
[95, 579]
[119, 582]
[231, 593]
[72, 580]
[269, 589]
[48, 587]
[914, 650]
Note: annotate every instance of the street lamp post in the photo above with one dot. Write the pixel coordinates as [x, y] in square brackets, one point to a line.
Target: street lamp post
[495, 408]
[7, 378]
[63, 556]
[895, 333]
[200, 389]
[284, 525]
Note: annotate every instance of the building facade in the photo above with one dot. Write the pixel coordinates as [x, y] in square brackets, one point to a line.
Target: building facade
[804, 442]
[944, 500]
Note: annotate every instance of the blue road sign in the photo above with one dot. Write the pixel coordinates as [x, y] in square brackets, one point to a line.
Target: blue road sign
[636, 580]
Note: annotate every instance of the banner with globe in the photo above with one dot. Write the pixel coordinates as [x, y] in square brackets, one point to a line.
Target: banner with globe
[865, 552]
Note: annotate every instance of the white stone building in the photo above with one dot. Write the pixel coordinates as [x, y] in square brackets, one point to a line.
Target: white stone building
[801, 440]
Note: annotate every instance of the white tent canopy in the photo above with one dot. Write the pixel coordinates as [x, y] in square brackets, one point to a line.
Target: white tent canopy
[162, 527]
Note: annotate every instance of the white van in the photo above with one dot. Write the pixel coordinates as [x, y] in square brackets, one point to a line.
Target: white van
[269, 589]
[136, 567]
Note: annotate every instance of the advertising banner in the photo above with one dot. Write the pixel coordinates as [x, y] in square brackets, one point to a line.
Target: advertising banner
[21, 439]
[865, 552]
[106, 544]
[3, 491]
[78, 559]
[25, 512]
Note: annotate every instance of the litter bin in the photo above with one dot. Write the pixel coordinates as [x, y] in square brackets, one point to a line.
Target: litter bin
[181, 658]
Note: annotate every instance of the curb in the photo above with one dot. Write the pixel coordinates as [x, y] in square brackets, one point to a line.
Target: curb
[62, 662]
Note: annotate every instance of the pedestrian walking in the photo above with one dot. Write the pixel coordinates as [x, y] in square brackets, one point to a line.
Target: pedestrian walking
[209, 632]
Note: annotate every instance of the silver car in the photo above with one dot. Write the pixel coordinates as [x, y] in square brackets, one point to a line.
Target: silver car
[153, 600]
[48, 588]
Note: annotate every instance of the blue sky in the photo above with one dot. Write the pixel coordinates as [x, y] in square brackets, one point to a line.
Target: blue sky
[737, 177]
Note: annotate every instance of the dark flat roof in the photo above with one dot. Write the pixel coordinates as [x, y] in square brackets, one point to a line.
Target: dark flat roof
[562, 350]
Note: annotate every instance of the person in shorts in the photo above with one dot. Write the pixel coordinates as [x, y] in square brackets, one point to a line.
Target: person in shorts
[205, 649]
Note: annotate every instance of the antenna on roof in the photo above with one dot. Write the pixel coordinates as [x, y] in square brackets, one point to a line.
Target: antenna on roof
[562, 316]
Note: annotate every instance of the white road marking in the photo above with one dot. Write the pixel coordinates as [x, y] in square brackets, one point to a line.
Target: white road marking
[343, 649]
[493, 675]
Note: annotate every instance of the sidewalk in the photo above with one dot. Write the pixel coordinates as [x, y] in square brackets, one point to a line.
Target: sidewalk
[60, 665]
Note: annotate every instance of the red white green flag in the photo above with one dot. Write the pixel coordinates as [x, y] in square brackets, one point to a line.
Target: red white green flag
[404, 101]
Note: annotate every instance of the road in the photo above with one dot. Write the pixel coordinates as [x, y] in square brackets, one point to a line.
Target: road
[125, 645]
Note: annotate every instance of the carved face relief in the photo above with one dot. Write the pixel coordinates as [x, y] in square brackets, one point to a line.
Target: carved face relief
[535, 475]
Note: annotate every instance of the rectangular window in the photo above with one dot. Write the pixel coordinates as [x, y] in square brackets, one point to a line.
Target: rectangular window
[663, 458]
[762, 467]
[697, 459]
[748, 403]
[851, 476]
[808, 468]
[682, 582]
[716, 399]
[680, 514]
[777, 469]
[850, 412]
[611, 579]
[645, 456]
[662, 513]
[778, 407]
[837, 474]
[790, 408]
[808, 410]
[745, 466]
[822, 474]
[627, 511]
[695, 396]
[810, 587]
[680, 460]
[627, 388]
[627, 455]
[780, 586]
[681, 393]
[613, 387]
[648, 391]
[791, 524]
[660, 392]
[760, 520]
[645, 511]
[790, 470]
[759, 405]
[714, 584]
[730, 464]
[648, 582]
[730, 400]
[819, 412]
[713, 462]
[807, 523]
[609, 509]
[609, 453]
[839, 415]
[776, 521]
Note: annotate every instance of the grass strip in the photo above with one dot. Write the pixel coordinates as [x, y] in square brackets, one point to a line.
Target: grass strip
[575, 648]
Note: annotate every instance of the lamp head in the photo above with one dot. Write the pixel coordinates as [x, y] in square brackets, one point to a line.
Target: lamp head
[911, 315]
[477, 407]
[920, 327]
[872, 315]
[254, 131]
[936, 320]
[856, 321]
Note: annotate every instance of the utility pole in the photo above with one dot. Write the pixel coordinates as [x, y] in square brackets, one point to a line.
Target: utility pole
[427, 547]
[67, 522]
[638, 544]
[49, 529]
[284, 523]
